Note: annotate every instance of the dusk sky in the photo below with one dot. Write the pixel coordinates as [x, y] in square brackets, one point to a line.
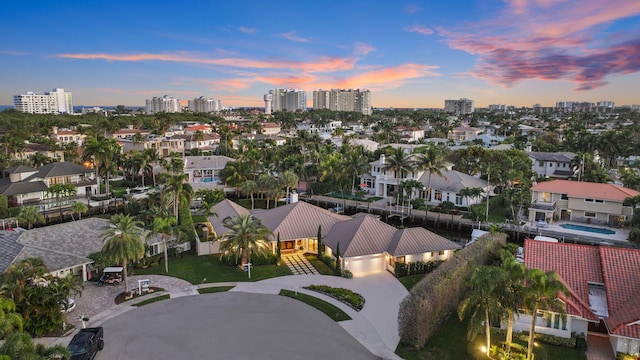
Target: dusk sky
[409, 54]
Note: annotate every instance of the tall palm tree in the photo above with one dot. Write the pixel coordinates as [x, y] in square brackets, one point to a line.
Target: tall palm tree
[512, 289]
[245, 235]
[178, 192]
[481, 303]
[433, 161]
[541, 292]
[164, 226]
[250, 187]
[30, 215]
[469, 193]
[79, 208]
[357, 163]
[288, 179]
[122, 242]
[399, 162]
[100, 151]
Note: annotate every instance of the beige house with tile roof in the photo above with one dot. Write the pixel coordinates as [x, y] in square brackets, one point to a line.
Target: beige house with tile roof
[584, 202]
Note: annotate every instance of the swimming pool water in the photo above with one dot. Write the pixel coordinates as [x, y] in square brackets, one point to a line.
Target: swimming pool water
[587, 229]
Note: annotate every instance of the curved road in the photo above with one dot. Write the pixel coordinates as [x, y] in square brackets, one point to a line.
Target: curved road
[229, 325]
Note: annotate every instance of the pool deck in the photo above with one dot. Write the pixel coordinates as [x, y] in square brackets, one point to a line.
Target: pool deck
[621, 235]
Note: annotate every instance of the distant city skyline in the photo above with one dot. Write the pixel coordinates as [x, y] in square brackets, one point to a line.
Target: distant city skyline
[414, 54]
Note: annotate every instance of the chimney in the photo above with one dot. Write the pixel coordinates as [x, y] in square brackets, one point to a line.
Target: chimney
[382, 159]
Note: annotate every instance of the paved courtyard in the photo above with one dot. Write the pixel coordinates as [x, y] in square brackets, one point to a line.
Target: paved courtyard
[228, 325]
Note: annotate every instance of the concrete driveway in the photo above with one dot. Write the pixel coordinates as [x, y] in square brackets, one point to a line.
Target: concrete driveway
[230, 325]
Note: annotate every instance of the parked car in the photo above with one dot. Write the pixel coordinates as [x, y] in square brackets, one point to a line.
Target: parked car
[86, 343]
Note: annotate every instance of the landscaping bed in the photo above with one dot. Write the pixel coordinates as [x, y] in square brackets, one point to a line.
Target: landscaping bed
[214, 289]
[121, 297]
[348, 297]
[330, 310]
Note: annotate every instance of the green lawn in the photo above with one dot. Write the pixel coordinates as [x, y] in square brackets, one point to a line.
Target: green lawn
[329, 309]
[322, 268]
[441, 346]
[207, 269]
[152, 300]
[499, 214]
[215, 289]
[410, 281]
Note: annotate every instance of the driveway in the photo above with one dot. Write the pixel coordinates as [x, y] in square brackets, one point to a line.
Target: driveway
[228, 326]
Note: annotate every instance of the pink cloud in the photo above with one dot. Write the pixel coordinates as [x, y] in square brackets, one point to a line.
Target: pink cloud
[324, 64]
[563, 42]
[363, 49]
[422, 30]
[13, 53]
[291, 36]
[248, 30]
[412, 8]
[388, 78]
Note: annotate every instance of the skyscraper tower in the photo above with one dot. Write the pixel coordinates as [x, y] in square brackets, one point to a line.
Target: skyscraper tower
[268, 98]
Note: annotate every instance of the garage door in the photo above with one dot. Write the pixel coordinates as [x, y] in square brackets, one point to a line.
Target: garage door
[365, 265]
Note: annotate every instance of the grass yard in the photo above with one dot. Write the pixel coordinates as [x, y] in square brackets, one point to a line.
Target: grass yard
[208, 269]
[323, 268]
[410, 281]
[329, 309]
[152, 300]
[214, 289]
[441, 346]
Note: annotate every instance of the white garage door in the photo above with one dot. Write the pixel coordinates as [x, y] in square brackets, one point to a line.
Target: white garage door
[365, 265]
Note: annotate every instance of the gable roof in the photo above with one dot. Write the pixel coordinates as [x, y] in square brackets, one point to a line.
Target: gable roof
[452, 181]
[64, 168]
[19, 169]
[620, 270]
[298, 220]
[418, 241]
[576, 265]
[8, 188]
[586, 190]
[9, 248]
[225, 209]
[552, 156]
[365, 235]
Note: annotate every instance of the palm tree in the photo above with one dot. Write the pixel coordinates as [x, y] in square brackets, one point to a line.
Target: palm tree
[288, 179]
[9, 319]
[250, 187]
[79, 208]
[541, 292]
[433, 161]
[19, 345]
[245, 235]
[122, 242]
[512, 288]
[165, 227]
[481, 303]
[100, 151]
[469, 193]
[400, 163]
[59, 191]
[178, 192]
[357, 163]
[30, 215]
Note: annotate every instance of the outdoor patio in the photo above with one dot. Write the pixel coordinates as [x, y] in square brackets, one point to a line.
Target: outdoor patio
[554, 229]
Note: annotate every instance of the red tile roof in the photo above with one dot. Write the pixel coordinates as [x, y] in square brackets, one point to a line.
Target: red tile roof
[586, 190]
[616, 268]
[621, 270]
[575, 264]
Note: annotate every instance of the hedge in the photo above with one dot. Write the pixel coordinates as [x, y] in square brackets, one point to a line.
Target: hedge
[436, 296]
[346, 296]
[414, 268]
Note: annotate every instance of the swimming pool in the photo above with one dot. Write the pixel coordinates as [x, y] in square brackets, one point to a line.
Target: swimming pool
[588, 229]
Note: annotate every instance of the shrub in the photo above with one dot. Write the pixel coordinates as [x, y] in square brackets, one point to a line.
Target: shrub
[623, 356]
[436, 296]
[354, 300]
[256, 259]
[329, 261]
[414, 268]
[347, 274]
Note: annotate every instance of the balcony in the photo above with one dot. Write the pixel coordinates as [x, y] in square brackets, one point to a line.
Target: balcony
[544, 206]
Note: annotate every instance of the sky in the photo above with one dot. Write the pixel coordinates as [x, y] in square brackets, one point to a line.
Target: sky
[408, 54]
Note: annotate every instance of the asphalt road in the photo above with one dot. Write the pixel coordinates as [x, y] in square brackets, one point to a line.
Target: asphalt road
[228, 326]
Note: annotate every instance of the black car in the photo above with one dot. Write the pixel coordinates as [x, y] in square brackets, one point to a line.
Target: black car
[86, 344]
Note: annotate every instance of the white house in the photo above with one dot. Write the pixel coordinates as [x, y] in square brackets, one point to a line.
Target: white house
[552, 165]
[204, 171]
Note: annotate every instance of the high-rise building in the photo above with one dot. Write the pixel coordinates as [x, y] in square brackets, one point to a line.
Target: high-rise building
[574, 106]
[56, 102]
[165, 103]
[268, 99]
[497, 107]
[288, 100]
[343, 100]
[459, 107]
[204, 105]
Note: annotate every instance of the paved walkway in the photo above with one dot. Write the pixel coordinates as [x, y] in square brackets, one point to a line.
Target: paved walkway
[375, 327]
[299, 265]
[599, 347]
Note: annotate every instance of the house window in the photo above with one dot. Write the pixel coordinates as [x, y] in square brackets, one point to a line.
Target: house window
[459, 200]
[546, 197]
[438, 195]
[541, 163]
[589, 214]
[400, 259]
[564, 197]
[441, 253]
